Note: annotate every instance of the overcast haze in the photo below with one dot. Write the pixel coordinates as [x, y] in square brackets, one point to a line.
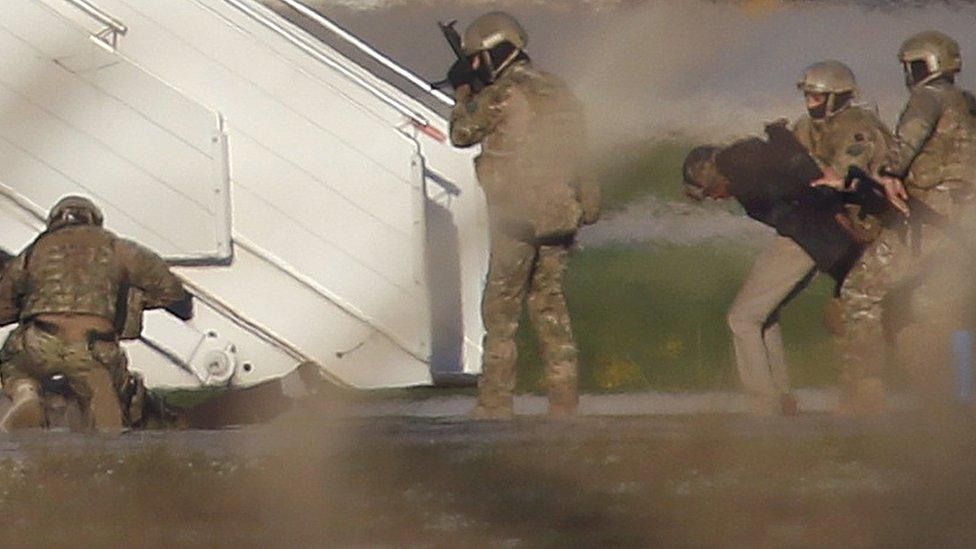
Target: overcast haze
[705, 68]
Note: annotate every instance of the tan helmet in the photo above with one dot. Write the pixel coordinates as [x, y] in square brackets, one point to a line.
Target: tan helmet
[492, 29]
[938, 50]
[832, 78]
[827, 77]
[74, 210]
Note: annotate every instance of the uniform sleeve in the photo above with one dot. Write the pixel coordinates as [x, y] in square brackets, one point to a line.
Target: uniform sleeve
[801, 131]
[883, 143]
[476, 115]
[150, 273]
[915, 126]
[12, 285]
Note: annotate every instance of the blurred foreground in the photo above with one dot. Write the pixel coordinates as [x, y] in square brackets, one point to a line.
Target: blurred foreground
[640, 480]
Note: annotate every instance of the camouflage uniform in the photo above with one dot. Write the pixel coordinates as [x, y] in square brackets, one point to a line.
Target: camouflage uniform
[935, 155]
[69, 271]
[856, 136]
[531, 131]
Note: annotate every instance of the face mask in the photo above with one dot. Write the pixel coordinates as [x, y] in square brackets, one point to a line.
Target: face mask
[818, 112]
[915, 72]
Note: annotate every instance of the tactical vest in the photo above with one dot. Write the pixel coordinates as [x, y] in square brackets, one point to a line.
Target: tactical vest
[852, 136]
[846, 138]
[529, 163]
[73, 270]
[949, 155]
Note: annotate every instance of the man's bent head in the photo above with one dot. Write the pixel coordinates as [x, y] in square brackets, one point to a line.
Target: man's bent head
[701, 176]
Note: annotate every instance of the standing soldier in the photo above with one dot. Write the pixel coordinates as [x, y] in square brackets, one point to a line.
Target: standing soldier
[935, 158]
[839, 135]
[69, 291]
[531, 131]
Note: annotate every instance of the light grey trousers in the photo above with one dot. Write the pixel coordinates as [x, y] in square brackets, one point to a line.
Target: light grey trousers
[782, 270]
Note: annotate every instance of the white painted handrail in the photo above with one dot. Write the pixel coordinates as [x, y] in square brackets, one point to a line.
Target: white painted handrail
[113, 27]
[313, 51]
[97, 14]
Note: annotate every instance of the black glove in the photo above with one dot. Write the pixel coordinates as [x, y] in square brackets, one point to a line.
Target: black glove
[182, 309]
[461, 73]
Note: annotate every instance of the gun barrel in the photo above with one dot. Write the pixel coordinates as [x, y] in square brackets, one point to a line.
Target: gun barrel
[452, 36]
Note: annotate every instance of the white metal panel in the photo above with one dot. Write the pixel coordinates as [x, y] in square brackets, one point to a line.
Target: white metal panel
[75, 118]
[449, 168]
[464, 204]
[324, 184]
[328, 334]
[329, 205]
[466, 207]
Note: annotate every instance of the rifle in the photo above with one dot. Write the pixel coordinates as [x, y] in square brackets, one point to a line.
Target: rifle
[460, 73]
[453, 37]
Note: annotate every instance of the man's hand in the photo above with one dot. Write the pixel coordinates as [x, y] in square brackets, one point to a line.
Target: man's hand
[182, 309]
[829, 179]
[895, 193]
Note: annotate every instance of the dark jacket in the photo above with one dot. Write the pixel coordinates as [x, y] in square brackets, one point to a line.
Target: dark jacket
[771, 179]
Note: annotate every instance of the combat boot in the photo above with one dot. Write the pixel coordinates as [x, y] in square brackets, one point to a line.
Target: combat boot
[103, 410]
[482, 412]
[788, 405]
[493, 405]
[562, 410]
[563, 401]
[27, 410]
[762, 405]
[870, 398]
[865, 399]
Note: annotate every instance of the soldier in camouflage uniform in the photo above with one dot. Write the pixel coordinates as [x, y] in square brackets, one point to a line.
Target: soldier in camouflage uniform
[839, 135]
[531, 131]
[68, 290]
[934, 156]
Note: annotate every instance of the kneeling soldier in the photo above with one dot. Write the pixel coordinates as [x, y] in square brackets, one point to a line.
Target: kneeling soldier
[68, 289]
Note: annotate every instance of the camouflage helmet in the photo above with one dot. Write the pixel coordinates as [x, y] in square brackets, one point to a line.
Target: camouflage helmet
[938, 51]
[74, 210]
[827, 77]
[492, 29]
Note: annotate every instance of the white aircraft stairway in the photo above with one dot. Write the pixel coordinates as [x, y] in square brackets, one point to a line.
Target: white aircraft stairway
[313, 209]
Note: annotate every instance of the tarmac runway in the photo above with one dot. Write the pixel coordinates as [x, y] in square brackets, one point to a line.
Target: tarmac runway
[407, 472]
[637, 418]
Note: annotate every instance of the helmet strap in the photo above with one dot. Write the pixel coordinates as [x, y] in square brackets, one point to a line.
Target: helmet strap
[507, 61]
